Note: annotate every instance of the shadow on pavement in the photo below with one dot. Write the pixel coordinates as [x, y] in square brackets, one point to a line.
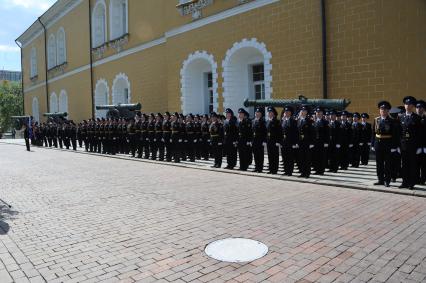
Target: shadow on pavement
[6, 214]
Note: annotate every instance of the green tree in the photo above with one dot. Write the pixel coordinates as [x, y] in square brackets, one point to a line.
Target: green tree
[10, 103]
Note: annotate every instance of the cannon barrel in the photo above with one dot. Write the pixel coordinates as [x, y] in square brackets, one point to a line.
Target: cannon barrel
[130, 107]
[56, 115]
[337, 104]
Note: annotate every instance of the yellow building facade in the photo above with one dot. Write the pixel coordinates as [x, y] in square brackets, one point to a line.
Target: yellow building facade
[195, 56]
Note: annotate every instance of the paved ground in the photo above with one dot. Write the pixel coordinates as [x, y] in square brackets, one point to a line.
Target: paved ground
[78, 217]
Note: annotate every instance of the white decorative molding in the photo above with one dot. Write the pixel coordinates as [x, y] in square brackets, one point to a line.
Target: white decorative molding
[183, 81]
[120, 76]
[194, 8]
[226, 65]
[101, 83]
[119, 43]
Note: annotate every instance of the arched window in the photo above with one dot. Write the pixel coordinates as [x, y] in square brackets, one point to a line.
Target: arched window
[53, 105]
[99, 24]
[121, 89]
[118, 18]
[61, 46]
[36, 112]
[33, 64]
[51, 52]
[63, 101]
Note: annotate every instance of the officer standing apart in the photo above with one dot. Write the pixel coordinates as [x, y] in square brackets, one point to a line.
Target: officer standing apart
[385, 141]
[273, 140]
[410, 143]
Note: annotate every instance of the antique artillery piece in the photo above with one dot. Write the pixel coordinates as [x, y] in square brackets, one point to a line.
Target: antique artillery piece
[59, 117]
[336, 104]
[126, 111]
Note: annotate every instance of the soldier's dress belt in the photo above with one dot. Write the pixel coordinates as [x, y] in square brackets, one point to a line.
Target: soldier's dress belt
[383, 136]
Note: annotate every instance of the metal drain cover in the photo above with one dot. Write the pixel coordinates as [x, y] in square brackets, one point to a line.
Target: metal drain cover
[236, 250]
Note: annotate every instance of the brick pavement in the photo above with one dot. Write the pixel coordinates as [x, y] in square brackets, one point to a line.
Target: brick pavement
[85, 218]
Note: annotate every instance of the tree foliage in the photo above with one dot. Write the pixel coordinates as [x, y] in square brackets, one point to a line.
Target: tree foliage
[11, 104]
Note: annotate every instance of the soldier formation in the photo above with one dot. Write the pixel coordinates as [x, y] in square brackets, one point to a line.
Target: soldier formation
[317, 140]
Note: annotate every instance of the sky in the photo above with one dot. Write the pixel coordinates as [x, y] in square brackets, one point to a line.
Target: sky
[15, 17]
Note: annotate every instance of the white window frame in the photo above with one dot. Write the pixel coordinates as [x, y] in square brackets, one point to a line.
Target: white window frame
[33, 63]
[63, 101]
[60, 60]
[95, 41]
[113, 34]
[51, 52]
[53, 107]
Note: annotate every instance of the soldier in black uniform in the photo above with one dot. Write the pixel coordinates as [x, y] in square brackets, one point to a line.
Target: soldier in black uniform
[190, 137]
[410, 143]
[167, 136]
[421, 158]
[159, 140]
[259, 139]
[334, 142]
[345, 140]
[73, 133]
[365, 141]
[197, 132]
[205, 137]
[216, 139]
[289, 140]
[273, 140]
[176, 137]
[138, 136]
[384, 142]
[305, 142]
[230, 139]
[131, 135]
[321, 142]
[356, 140]
[60, 133]
[245, 136]
[145, 136]
[183, 145]
[26, 136]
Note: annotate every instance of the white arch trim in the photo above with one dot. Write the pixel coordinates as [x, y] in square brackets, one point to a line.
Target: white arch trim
[183, 82]
[99, 99]
[53, 103]
[121, 76]
[63, 102]
[226, 64]
[105, 23]
[35, 109]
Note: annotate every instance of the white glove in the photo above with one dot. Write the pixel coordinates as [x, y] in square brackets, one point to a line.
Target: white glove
[311, 146]
[361, 144]
[155, 140]
[146, 139]
[351, 145]
[393, 149]
[278, 145]
[219, 143]
[369, 144]
[372, 149]
[337, 145]
[264, 143]
[296, 146]
[399, 151]
[195, 141]
[180, 140]
[171, 140]
[424, 149]
[249, 143]
[208, 140]
[419, 150]
[326, 145]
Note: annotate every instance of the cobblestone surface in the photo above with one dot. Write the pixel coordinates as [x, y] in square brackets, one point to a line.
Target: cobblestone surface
[85, 218]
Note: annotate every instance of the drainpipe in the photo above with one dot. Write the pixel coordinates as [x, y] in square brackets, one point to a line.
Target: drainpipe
[91, 59]
[22, 79]
[45, 64]
[324, 51]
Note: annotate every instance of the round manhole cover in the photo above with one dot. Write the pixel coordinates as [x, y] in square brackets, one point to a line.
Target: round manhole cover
[236, 250]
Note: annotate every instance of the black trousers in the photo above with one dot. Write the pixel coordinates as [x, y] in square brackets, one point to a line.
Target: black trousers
[244, 152]
[74, 144]
[27, 144]
[319, 157]
[344, 156]
[365, 153]
[231, 154]
[304, 160]
[273, 157]
[333, 158]
[356, 155]
[168, 148]
[259, 156]
[205, 148]
[395, 161]
[190, 148]
[217, 152]
[288, 156]
[176, 148]
[421, 165]
[409, 166]
[383, 160]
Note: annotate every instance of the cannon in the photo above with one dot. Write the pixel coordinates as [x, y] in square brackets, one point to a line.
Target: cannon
[58, 117]
[336, 104]
[126, 111]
